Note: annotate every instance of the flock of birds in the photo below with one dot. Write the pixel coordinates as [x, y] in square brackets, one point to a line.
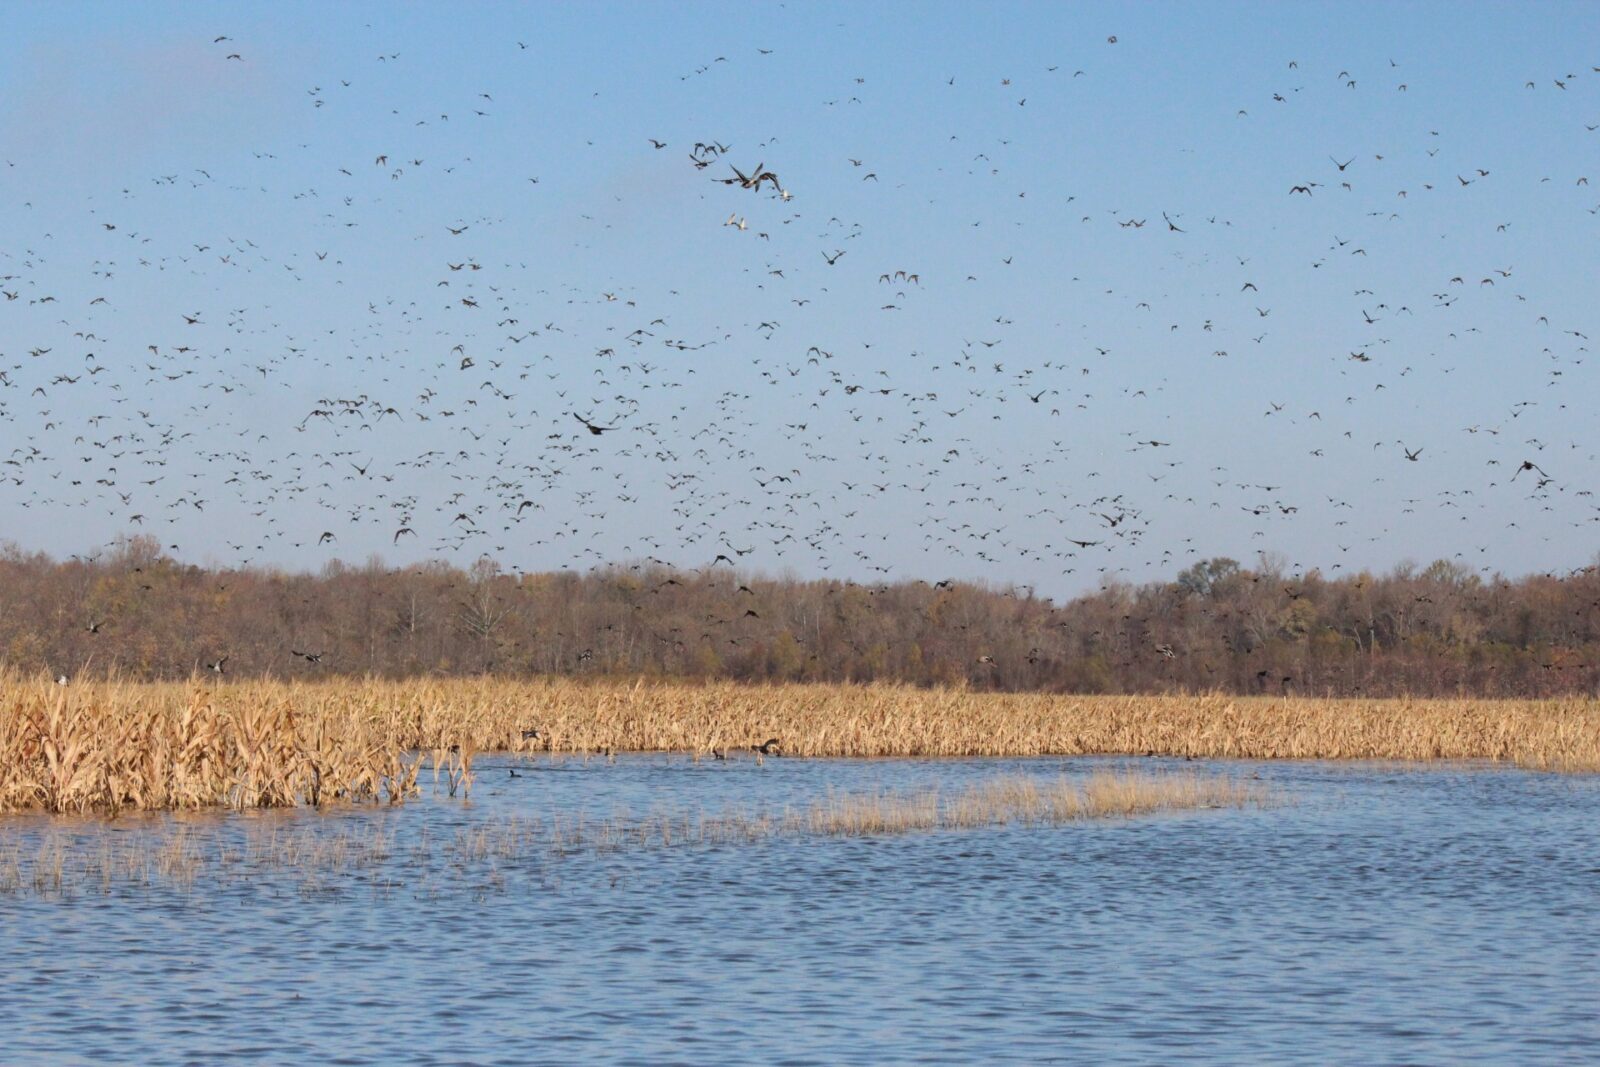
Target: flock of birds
[294, 385]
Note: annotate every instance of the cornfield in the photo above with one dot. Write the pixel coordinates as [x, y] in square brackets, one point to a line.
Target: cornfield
[109, 746]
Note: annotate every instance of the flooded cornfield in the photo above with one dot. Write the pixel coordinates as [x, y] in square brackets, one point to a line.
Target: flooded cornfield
[658, 909]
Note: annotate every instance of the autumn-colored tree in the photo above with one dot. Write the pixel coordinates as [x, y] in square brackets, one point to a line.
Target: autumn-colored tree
[1218, 625]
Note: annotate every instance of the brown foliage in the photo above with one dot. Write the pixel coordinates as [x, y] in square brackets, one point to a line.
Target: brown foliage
[1439, 631]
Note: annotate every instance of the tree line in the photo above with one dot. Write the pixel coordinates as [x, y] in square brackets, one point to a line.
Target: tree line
[1218, 626]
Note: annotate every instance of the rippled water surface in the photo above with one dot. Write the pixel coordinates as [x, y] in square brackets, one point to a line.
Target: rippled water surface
[1381, 915]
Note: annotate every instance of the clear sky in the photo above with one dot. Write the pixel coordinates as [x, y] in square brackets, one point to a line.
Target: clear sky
[1125, 329]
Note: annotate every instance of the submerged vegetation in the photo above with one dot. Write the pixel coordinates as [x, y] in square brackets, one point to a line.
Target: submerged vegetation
[112, 746]
[177, 853]
[1019, 798]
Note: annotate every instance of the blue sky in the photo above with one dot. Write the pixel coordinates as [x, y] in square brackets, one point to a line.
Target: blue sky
[1249, 381]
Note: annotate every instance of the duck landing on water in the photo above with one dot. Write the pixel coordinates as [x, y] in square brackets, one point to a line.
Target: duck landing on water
[770, 747]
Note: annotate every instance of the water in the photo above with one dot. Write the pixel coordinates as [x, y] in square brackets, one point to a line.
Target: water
[1384, 915]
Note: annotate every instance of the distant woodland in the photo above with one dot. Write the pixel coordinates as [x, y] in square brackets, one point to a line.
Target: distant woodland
[1217, 626]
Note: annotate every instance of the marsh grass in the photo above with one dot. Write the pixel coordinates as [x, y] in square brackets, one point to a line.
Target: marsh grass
[113, 746]
[316, 855]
